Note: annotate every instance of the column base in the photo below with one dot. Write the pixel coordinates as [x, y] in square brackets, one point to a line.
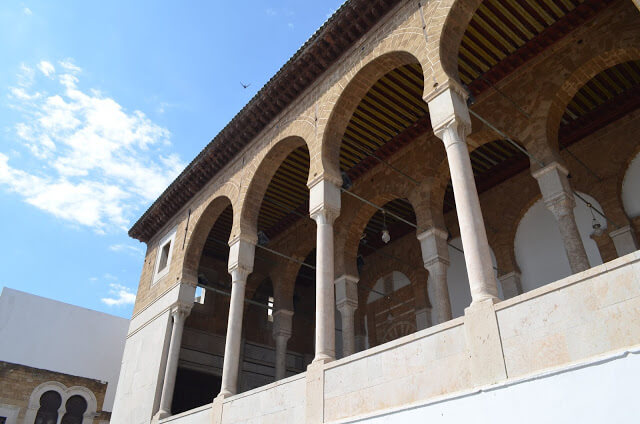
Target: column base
[484, 344]
[216, 409]
[160, 415]
[322, 359]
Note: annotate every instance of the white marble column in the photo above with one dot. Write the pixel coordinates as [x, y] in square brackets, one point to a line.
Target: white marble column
[451, 122]
[324, 208]
[241, 255]
[558, 197]
[179, 314]
[435, 255]
[282, 324]
[347, 303]
[624, 240]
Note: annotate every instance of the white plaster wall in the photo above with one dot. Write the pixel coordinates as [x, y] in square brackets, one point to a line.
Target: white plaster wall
[280, 402]
[142, 372]
[399, 281]
[539, 249]
[43, 333]
[458, 281]
[418, 366]
[631, 188]
[201, 415]
[600, 392]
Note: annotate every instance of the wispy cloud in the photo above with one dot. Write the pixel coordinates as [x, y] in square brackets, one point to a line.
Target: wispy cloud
[290, 25]
[271, 12]
[27, 11]
[134, 250]
[46, 68]
[119, 295]
[97, 164]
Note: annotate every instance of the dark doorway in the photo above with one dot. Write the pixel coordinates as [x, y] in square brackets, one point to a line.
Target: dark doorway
[194, 389]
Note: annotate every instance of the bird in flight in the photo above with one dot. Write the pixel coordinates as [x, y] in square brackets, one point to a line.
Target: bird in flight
[244, 85]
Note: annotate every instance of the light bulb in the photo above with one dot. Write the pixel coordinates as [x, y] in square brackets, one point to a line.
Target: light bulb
[385, 236]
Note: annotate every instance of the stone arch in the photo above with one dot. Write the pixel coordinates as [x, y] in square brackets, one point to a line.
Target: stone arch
[578, 78]
[202, 227]
[356, 84]
[453, 27]
[347, 238]
[261, 171]
[65, 393]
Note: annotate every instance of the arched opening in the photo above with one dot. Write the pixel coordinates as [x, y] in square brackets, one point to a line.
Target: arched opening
[75, 408]
[539, 249]
[199, 373]
[388, 253]
[49, 404]
[304, 313]
[605, 98]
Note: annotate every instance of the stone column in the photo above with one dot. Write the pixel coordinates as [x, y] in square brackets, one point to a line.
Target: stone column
[241, 254]
[558, 197]
[178, 314]
[511, 284]
[347, 303]
[282, 323]
[624, 240]
[451, 122]
[435, 255]
[324, 208]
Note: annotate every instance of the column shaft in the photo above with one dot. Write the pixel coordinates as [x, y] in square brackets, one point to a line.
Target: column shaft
[558, 197]
[178, 315]
[440, 302]
[282, 325]
[347, 303]
[231, 362]
[325, 309]
[477, 255]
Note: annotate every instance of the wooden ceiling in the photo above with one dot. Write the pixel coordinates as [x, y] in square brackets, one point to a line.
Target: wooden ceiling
[608, 96]
[218, 238]
[504, 34]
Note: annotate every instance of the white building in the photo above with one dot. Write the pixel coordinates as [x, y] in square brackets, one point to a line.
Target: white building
[45, 334]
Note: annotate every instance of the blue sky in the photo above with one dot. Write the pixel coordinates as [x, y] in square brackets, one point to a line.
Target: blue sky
[101, 105]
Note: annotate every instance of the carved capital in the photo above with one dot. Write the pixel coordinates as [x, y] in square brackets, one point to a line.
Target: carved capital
[324, 201]
[241, 255]
[180, 311]
[346, 291]
[449, 115]
[282, 323]
[433, 244]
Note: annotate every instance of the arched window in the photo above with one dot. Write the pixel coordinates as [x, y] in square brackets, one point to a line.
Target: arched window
[48, 412]
[76, 406]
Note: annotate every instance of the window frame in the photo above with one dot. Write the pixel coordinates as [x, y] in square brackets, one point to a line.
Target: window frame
[158, 274]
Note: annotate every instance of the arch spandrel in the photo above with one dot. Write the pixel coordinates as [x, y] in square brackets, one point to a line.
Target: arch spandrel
[201, 222]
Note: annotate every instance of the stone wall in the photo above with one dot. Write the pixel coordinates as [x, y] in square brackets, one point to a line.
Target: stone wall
[18, 384]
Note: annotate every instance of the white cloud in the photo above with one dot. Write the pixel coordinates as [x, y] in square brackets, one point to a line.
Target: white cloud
[271, 12]
[119, 295]
[98, 164]
[27, 11]
[46, 68]
[290, 25]
[135, 250]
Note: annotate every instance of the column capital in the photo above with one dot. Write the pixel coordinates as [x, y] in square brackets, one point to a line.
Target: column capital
[347, 291]
[241, 255]
[282, 323]
[433, 244]
[449, 112]
[555, 188]
[180, 311]
[324, 201]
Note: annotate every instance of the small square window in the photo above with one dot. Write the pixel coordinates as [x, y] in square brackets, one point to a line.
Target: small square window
[163, 258]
